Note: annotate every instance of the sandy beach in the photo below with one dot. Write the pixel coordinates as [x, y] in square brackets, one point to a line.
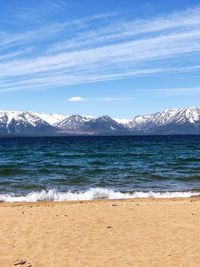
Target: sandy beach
[151, 232]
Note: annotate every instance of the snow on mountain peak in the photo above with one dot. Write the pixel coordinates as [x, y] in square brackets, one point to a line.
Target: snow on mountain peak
[72, 122]
[176, 116]
[7, 116]
[51, 119]
[190, 114]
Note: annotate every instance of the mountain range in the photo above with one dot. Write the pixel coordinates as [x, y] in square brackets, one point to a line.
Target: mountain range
[168, 122]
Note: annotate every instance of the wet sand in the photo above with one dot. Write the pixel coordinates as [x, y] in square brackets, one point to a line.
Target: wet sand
[151, 232]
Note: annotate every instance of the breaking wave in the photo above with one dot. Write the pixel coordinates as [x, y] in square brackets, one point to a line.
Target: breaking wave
[92, 194]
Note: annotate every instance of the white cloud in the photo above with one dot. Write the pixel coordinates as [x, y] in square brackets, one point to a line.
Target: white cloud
[76, 99]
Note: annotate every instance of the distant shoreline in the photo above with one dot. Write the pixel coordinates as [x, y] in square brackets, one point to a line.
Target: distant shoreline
[97, 135]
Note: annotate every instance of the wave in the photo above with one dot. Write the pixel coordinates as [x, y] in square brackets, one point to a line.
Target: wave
[92, 194]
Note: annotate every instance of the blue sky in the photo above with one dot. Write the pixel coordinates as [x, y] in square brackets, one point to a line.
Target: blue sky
[90, 57]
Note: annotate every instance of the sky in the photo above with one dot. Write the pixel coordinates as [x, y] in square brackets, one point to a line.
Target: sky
[121, 58]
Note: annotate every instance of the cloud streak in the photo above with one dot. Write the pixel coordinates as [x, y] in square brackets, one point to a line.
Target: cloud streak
[96, 49]
[175, 91]
[104, 99]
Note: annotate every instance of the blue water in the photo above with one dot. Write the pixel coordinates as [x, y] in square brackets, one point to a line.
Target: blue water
[77, 164]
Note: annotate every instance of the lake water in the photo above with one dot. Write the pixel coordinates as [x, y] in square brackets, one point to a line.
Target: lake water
[72, 168]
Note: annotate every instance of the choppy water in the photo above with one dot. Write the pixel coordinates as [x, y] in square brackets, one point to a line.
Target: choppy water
[65, 168]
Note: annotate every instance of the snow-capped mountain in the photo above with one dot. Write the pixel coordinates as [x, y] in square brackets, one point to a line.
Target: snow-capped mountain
[104, 124]
[72, 122]
[170, 121]
[23, 123]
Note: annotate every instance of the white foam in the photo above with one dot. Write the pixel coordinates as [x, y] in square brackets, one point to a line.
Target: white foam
[93, 193]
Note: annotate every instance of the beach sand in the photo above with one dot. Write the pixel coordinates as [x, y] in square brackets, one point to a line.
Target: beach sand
[151, 232]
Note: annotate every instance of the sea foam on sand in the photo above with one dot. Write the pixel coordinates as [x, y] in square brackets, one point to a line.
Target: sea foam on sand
[91, 194]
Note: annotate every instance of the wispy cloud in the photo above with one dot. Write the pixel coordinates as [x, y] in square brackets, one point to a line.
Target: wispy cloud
[175, 91]
[96, 49]
[112, 99]
[103, 99]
